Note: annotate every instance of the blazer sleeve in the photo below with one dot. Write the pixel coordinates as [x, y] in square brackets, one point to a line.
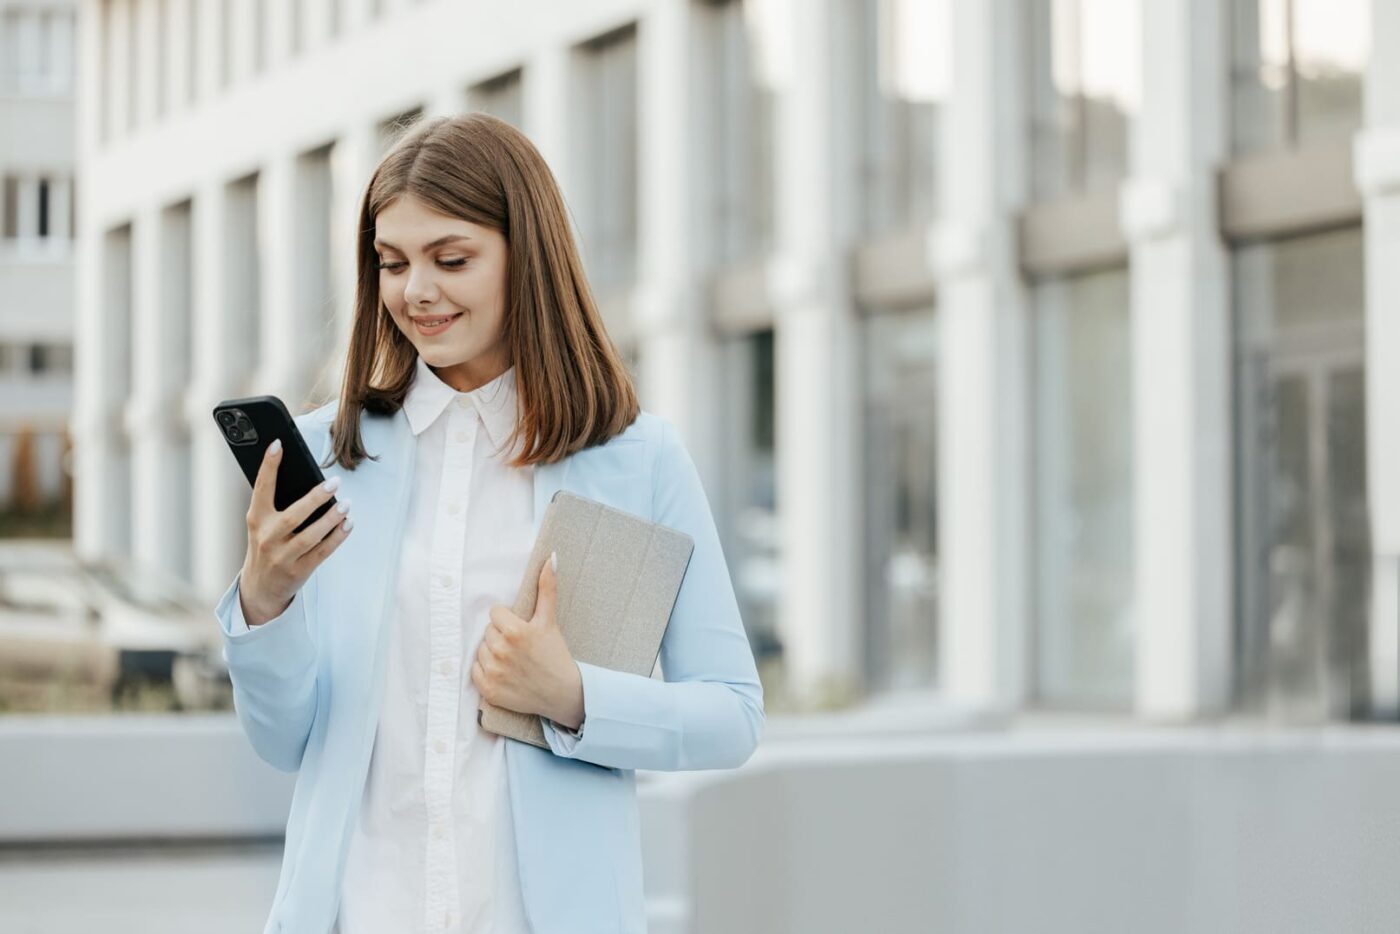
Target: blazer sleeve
[273, 666]
[708, 712]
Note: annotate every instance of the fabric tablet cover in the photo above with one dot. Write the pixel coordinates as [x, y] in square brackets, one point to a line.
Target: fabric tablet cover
[618, 578]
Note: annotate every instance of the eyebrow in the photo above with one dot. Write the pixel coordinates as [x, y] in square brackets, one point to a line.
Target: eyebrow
[427, 246]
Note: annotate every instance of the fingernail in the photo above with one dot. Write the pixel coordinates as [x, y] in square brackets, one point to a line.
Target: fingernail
[343, 506]
[348, 524]
[554, 561]
[275, 446]
[330, 485]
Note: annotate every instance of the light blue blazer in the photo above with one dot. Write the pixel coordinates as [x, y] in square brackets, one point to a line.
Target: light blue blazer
[307, 688]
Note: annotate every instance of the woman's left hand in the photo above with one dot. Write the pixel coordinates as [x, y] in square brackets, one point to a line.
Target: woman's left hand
[525, 664]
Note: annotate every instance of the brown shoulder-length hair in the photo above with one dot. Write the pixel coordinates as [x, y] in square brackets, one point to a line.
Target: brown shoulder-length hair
[573, 389]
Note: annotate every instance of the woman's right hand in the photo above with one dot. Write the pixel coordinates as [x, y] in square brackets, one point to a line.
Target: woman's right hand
[278, 562]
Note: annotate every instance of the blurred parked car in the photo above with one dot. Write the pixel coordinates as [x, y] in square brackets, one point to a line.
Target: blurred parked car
[109, 625]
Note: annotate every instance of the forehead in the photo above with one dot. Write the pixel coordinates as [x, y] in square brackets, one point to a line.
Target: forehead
[407, 223]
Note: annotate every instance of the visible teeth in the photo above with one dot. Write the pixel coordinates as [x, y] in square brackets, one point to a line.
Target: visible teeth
[435, 322]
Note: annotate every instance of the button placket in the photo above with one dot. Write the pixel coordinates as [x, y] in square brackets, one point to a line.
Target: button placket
[444, 650]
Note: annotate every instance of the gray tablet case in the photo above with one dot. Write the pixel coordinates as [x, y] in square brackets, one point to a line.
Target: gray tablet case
[619, 576]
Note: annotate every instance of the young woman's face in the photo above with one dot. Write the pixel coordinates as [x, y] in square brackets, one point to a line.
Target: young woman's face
[431, 267]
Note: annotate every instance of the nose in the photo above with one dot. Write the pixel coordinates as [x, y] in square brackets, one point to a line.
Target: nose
[420, 289]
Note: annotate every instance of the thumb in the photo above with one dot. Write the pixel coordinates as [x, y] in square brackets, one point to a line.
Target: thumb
[548, 590]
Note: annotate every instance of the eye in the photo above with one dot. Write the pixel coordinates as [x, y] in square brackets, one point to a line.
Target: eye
[449, 263]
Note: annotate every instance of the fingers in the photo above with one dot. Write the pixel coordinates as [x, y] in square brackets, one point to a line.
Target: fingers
[332, 529]
[314, 534]
[266, 481]
[296, 513]
[548, 590]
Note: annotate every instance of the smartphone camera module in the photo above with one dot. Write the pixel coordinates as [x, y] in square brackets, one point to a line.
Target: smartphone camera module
[237, 426]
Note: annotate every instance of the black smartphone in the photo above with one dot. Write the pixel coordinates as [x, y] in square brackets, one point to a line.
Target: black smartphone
[249, 426]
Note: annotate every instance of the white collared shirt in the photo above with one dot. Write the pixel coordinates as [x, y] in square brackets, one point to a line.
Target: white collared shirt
[434, 847]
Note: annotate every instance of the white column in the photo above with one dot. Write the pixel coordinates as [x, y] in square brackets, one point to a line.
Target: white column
[1181, 368]
[178, 55]
[546, 92]
[316, 22]
[150, 415]
[116, 86]
[211, 47]
[983, 476]
[277, 33]
[221, 497]
[102, 490]
[1378, 178]
[353, 159]
[146, 69]
[90, 99]
[241, 40]
[679, 356]
[818, 394]
[289, 333]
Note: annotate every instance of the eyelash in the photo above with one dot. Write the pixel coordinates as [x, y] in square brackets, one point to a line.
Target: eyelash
[450, 263]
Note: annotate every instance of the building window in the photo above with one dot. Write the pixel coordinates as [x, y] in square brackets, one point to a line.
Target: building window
[501, 96]
[36, 51]
[1304, 554]
[1086, 63]
[738, 135]
[1083, 491]
[607, 130]
[29, 207]
[1297, 69]
[11, 195]
[900, 487]
[904, 52]
[750, 514]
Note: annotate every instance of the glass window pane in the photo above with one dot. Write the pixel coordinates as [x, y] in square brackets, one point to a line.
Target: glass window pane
[1303, 536]
[1086, 83]
[900, 485]
[737, 127]
[749, 518]
[1296, 71]
[1300, 285]
[501, 97]
[904, 80]
[1084, 501]
[1331, 42]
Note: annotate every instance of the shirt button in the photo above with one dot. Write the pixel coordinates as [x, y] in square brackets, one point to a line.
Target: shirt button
[453, 508]
[446, 580]
[445, 667]
[464, 402]
[440, 746]
[462, 436]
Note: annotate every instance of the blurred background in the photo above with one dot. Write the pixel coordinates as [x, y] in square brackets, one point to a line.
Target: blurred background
[1040, 358]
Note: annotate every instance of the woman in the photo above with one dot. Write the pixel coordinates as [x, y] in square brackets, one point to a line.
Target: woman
[479, 382]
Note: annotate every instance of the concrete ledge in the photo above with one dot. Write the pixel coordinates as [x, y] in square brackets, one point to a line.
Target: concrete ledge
[133, 776]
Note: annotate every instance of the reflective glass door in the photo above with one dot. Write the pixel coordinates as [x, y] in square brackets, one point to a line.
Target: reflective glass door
[1306, 538]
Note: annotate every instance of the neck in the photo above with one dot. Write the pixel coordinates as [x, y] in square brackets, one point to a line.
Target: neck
[471, 375]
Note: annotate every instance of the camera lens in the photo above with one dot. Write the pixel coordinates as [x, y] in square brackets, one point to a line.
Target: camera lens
[235, 434]
[225, 418]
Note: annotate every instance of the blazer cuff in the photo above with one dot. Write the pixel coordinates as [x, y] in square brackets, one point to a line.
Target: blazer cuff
[282, 643]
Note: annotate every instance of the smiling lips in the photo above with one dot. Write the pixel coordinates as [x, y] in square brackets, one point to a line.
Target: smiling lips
[434, 325]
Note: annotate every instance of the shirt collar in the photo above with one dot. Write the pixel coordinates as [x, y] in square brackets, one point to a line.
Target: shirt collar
[428, 395]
